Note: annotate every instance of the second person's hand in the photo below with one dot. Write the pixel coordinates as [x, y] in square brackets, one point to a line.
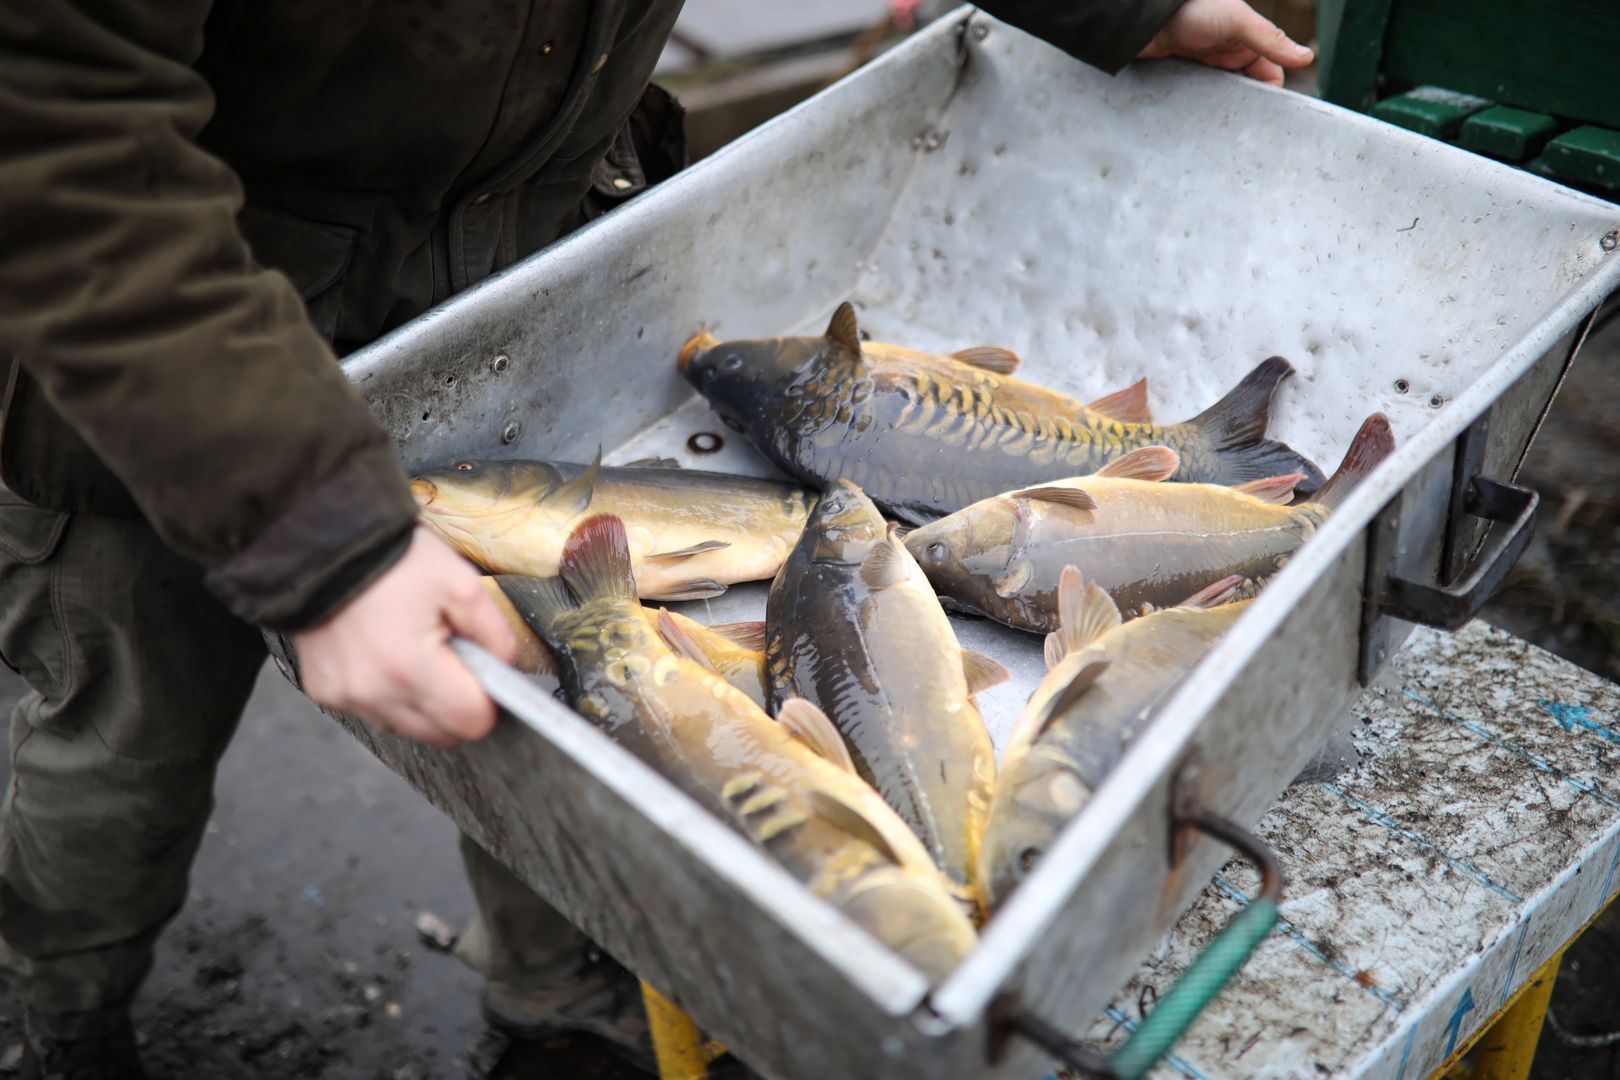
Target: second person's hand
[1228, 34]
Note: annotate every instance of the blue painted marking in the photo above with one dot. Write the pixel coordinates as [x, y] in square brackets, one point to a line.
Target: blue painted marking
[1454, 1025]
[1467, 869]
[1289, 930]
[1608, 882]
[1473, 728]
[1513, 965]
[1180, 1064]
[1570, 717]
[1406, 1051]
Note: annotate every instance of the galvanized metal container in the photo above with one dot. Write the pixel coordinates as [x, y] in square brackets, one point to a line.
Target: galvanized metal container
[976, 186]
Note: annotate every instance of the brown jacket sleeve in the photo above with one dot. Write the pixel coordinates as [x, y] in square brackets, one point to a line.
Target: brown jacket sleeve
[128, 294]
[1106, 34]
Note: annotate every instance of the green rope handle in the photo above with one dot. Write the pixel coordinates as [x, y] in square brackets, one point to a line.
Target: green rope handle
[1196, 988]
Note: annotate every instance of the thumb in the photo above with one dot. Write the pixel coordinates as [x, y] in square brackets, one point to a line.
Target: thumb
[471, 612]
[1263, 36]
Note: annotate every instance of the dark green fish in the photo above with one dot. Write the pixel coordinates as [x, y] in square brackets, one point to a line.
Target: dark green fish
[928, 436]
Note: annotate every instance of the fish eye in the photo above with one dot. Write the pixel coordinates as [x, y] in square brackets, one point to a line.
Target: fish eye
[1027, 859]
[935, 552]
[732, 362]
[464, 466]
[834, 504]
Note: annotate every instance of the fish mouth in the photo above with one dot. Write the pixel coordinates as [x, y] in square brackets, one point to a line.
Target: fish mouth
[699, 342]
[425, 491]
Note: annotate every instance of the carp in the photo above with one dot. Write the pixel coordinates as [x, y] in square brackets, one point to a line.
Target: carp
[691, 533]
[787, 785]
[928, 437]
[1103, 681]
[1144, 542]
[853, 626]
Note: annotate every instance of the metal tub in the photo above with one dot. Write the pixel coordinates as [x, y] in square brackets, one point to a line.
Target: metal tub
[976, 186]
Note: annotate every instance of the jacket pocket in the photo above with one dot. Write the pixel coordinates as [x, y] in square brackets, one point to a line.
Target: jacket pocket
[28, 533]
[314, 255]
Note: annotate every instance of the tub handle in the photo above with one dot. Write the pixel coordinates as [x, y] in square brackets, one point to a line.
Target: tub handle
[1451, 607]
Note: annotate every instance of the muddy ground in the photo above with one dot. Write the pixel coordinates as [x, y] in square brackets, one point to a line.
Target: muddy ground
[296, 955]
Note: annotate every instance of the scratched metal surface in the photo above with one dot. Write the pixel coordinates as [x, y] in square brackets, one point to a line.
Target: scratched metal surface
[1478, 833]
[1003, 194]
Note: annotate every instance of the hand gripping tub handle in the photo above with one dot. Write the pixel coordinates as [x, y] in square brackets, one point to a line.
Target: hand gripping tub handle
[1450, 607]
[1197, 986]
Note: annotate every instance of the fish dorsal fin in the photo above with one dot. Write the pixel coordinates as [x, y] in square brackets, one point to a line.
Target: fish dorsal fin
[688, 552]
[1060, 702]
[538, 600]
[596, 559]
[1278, 490]
[1153, 463]
[692, 589]
[982, 672]
[1085, 611]
[1373, 443]
[746, 635]
[847, 818]
[844, 330]
[1128, 406]
[885, 564]
[1216, 593]
[680, 639]
[988, 358]
[574, 497]
[1069, 497]
[808, 724]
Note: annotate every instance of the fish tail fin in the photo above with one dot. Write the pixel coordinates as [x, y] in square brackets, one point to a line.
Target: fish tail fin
[539, 600]
[1373, 443]
[1235, 429]
[596, 560]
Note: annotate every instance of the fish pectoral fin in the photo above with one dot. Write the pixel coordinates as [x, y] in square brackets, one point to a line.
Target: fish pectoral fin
[808, 724]
[1053, 650]
[1152, 463]
[574, 497]
[691, 589]
[885, 565]
[1061, 701]
[1068, 497]
[1128, 406]
[538, 600]
[1014, 579]
[982, 672]
[1085, 611]
[848, 819]
[988, 358]
[747, 635]
[1217, 593]
[844, 330]
[680, 640]
[688, 552]
[1277, 490]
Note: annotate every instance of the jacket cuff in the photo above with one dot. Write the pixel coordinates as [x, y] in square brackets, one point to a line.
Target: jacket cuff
[329, 546]
[1107, 34]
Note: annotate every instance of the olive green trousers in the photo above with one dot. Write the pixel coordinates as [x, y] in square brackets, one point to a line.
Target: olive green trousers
[138, 677]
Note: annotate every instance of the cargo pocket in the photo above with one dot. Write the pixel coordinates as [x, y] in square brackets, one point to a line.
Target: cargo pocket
[315, 255]
[33, 640]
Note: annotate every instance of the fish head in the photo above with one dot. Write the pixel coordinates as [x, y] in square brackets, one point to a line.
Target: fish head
[742, 378]
[470, 499]
[963, 552]
[915, 916]
[1036, 796]
[844, 525]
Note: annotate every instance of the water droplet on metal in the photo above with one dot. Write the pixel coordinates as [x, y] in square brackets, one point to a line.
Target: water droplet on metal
[1610, 241]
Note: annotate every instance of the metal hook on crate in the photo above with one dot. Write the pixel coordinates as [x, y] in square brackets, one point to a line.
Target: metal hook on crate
[1197, 986]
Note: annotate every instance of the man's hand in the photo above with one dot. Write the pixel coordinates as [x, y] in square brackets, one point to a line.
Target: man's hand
[1228, 34]
[385, 656]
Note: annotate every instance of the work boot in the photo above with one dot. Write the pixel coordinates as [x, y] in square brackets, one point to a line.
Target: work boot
[49, 1054]
[599, 997]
